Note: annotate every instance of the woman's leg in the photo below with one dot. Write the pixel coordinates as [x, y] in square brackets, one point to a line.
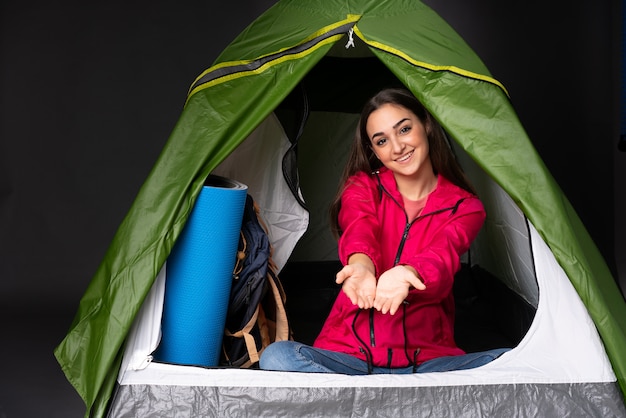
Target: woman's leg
[293, 356]
[462, 362]
[297, 357]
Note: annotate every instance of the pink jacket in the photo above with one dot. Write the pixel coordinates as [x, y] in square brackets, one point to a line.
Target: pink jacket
[374, 222]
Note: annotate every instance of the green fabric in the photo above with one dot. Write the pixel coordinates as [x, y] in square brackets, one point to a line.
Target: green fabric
[434, 62]
[482, 121]
[199, 141]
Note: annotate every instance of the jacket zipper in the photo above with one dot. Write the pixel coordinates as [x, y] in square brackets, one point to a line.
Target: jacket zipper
[405, 235]
[363, 348]
[372, 338]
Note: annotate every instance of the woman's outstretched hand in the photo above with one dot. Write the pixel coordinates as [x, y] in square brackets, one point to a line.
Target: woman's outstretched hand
[358, 280]
[359, 283]
[393, 288]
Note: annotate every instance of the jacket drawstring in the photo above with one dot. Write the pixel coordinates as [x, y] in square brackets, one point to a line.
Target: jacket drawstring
[368, 354]
[415, 354]
[380, 185]
[406, 337]
[413, 361]
[364, 349]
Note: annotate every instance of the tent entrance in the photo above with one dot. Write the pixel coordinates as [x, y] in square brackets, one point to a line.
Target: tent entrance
[491, 312]
[497, 291]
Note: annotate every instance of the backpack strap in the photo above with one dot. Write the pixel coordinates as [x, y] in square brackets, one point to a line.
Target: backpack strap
[248, 338]
[282, 332]
[270, 331]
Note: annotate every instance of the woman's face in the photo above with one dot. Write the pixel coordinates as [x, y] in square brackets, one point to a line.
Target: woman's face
[399, 140]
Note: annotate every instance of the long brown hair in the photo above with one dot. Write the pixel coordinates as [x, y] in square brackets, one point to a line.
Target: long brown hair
[362, 157]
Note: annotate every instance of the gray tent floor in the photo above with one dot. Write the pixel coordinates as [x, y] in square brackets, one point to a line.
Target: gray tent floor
[32, 383]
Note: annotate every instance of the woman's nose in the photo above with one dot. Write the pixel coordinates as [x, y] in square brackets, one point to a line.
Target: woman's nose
[397, 145]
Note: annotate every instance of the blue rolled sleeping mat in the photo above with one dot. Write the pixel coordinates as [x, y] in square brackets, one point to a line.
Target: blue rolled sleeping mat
[199, 273]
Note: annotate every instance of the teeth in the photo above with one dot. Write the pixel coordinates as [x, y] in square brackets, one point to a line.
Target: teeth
[404, 158]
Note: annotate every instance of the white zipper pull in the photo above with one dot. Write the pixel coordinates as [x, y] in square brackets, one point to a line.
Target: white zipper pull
[350, 39]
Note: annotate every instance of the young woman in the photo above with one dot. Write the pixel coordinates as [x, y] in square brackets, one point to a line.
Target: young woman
[404, 216]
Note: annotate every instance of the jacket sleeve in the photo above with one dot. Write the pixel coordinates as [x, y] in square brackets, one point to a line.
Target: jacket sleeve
[439, 260]
[358, 220]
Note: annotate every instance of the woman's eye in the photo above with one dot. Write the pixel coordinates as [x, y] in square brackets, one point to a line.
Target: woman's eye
[381, 142]
[405, 129]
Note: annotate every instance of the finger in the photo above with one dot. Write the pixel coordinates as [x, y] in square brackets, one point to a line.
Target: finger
[368, 302]
[417, 283]
[344, 274]
[351, 294]
[387, 306]
[341, 276]
[381, 308]
[394, 308]
[359, 300]
[379, 304]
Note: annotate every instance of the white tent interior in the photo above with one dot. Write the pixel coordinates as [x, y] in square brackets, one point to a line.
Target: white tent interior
[560, 351]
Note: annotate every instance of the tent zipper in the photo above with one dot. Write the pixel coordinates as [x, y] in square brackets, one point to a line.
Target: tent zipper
[226, 70]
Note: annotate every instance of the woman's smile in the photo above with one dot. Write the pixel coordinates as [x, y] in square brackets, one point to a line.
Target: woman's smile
[405, 157]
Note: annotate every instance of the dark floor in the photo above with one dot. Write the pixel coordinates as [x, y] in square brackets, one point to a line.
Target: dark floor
[32, 383]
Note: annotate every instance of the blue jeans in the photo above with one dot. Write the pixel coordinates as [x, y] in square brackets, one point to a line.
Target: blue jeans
[297, 357]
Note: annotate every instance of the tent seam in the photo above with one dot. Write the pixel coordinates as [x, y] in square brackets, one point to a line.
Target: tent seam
[431, 67]
[230, 70]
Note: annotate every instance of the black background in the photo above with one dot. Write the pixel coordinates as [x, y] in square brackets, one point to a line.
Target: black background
[89, 93]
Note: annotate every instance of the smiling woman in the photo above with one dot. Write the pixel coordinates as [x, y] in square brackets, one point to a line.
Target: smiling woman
[399, 141]
[394, 211]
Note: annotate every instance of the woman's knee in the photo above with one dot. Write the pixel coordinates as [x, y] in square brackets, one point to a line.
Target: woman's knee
[276, 356]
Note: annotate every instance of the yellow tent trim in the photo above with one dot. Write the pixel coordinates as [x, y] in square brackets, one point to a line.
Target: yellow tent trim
[281, 59]
[428, 66]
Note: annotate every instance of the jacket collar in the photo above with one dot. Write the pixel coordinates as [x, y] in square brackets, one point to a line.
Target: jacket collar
[445, 194]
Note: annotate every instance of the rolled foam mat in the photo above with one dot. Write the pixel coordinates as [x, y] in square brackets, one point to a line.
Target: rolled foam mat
[199, 275]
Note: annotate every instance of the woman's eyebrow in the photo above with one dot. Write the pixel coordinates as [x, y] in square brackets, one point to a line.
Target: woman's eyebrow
[394, 127]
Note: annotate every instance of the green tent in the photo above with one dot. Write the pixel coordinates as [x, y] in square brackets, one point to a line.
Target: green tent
[354, 47]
